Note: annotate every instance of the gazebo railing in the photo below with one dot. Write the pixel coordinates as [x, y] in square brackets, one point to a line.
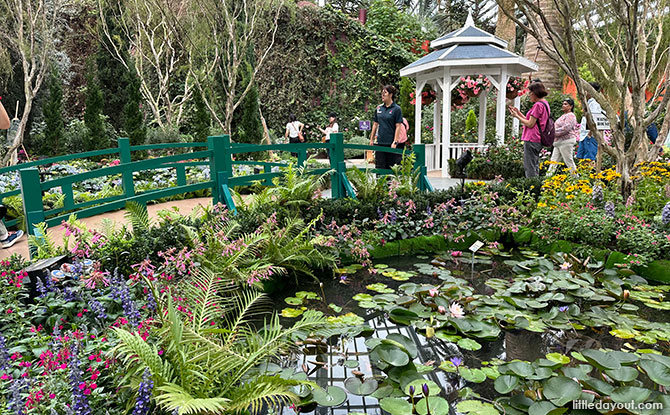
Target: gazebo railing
[434, 153]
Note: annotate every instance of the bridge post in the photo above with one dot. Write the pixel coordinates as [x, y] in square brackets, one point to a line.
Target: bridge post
[220, 167]
[420, 163]
[127, 174]
[337, 164]
[31, 193]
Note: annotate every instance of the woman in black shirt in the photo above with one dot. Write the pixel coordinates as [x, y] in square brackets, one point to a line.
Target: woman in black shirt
[386, 127]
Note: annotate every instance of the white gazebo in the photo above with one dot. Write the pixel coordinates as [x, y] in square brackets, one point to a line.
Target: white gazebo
[466, 51]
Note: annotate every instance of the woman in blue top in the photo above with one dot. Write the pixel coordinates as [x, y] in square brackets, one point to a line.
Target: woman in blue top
[386, 127]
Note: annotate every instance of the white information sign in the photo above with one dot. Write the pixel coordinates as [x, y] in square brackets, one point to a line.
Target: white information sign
[476, 246]
[602, 123]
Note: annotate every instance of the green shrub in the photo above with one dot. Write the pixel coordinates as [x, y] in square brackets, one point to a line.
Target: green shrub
[350, 154]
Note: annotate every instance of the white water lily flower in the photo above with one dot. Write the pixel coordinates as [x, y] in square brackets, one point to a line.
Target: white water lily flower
[456, 310]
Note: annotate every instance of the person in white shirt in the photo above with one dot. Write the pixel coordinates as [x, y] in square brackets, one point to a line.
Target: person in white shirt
[331, 128]
[588, 146]
[7, 239]
[294, 130]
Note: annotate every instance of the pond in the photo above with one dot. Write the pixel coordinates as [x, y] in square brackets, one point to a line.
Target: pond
[554, 311]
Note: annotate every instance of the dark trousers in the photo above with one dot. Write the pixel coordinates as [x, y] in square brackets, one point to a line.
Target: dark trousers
[385, 160]
[294, 140]
[531, 158]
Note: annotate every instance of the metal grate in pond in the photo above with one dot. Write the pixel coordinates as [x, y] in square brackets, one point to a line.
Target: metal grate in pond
[335, 372]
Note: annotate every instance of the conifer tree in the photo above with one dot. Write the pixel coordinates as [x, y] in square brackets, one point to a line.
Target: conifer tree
[132, 114]
[201, 118]
[249, 129]
[112, 74]
[93, 112]
[53, 116]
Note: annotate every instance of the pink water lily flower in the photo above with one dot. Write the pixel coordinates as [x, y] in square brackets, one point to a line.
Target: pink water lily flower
[441, 310]
[566, 266]
[456, 310]
[433, 292]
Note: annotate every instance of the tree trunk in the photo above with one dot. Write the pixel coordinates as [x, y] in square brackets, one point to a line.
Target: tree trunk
[505, 27]
[549, 69]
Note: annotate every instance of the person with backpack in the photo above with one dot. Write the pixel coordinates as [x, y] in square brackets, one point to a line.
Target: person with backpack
[567, 135]
[538, 128]
[387, 128]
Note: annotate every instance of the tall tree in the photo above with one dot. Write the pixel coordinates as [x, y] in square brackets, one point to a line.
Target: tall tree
[626, 45]
[505, 27]
[112, 73]
[132, 113]
[249, 129]
[93, 120]
[549, 69]
[31, 28]
[154, 46]
[220, 32]
[53, 115]
[201, 119]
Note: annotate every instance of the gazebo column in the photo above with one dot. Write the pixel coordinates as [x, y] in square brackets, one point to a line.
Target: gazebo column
[515, 122]
[482, 117]
[417, 110]
[446, 121]
[437, 127]
[501, 106]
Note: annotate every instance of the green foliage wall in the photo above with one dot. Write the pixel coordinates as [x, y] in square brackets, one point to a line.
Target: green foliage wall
[324, 61]
[93, 112]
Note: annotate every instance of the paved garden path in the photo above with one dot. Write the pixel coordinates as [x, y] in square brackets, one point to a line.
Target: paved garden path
[185, 206]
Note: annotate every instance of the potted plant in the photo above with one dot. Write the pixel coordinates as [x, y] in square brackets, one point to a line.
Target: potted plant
[428, 95]
[516, 86]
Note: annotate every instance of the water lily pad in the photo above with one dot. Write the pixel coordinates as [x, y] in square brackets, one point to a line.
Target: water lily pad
[433, 405]
[657, 371]
[625, 394]
[468, 344]
[352, 364]
[624, 374]
[561, 390]
[396, 406]
[406, 342]
[362, 297]
[433, 388]
[383, 391]
[545, 408]
[381, 266]
[367, 304]
[600, 359]
[291, 312]
[307, 295]
[558, 358]
[474, 407]
[293, 300]
[472, 375]
[380, 288]
[403, 316]
[506, 384]
[335, 308]
[332, 396]
[361, 388]
[393, 355]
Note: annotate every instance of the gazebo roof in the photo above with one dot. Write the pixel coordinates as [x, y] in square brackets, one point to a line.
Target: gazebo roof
[472, 48]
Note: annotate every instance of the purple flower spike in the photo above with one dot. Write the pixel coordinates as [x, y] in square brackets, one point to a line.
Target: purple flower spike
[456, 361]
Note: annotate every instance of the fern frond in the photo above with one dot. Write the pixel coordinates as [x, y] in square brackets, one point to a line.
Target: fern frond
[132, 349]
[44, 245]
[174, 397]
[263, 392]
[138, 215]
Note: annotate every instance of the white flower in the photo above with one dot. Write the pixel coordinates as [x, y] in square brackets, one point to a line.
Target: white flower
[456, 310]
[566, 266]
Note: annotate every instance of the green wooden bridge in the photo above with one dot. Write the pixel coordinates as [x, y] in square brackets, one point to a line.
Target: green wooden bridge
[217, 153]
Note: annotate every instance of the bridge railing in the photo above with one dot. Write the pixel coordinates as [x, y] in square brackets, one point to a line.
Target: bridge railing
[218, 153]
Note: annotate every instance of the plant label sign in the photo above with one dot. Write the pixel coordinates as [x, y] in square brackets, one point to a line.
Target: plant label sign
[476, 246]
[602, 123]
[364, 125]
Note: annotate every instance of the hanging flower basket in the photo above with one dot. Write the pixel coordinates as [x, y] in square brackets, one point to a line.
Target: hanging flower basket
[428, 96]
[516, 87]
[472, 86]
